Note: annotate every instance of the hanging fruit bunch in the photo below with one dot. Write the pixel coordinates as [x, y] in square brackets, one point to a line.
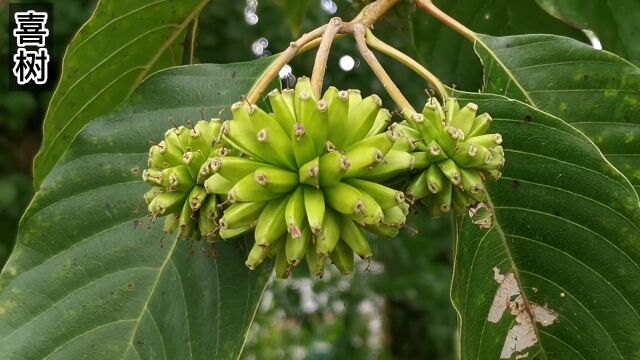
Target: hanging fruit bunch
[308, 176]
[309, 180]
[179, 174]
[455, 155]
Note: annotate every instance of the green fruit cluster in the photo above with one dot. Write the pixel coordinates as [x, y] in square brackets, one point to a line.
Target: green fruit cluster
[307, 178]
[179, 173]
[308, 182]
[453, 153]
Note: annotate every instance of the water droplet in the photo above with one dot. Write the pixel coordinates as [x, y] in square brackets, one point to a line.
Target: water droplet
[285, 71]
[251, 18]
[487, 16]
[328, 6]
[264, 42]
[265, 53]
[257, 48]
[346, 63]
[249, 10]
[252, 3]
[333, 8]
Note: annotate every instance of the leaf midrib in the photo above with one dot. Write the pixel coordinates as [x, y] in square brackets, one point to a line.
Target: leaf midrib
[516, 271]
[152, 291]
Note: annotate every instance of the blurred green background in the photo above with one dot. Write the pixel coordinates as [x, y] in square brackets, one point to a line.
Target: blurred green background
[398, 306]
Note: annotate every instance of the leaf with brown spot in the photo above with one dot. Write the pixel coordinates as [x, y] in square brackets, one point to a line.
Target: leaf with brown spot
[568, 241]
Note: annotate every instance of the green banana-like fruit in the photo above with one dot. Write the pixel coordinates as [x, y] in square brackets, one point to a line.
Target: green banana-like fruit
[217, 184]
[233, 233]
[307, 176]
[186, 223]
[342, 258]
[272, 137]
[193, 160]
[330, 235]
[383, 141]
[276, 180]
[344, 198]
[309, 173]
[315, 207]
[183, 186]
[395, 217]
[459, 155]
[256, 256]
[395, 163]
[353, 237]
[361, 118]
[271, 224]
[315, 261]
[171, 223]
[385, 196]
[196, 197]
[167, 203]
[241, 214]
[282, 268]
[332, 167]
[362, 160]
[233, 168]
[372, 213]
[248, 189]
[295, 212]
[295, 249]
[337, 115]
[381, 122]
[281, 111]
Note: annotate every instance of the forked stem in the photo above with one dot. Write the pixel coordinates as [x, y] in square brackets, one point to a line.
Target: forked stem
[367, 17]
[429, 7]
[407, 61]
[286, 56]
[320, 64]
[359, 32]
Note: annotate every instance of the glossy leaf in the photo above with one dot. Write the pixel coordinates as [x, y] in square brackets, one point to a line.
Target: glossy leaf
[614, 23]
[566, 225]
[88, 277]
[451, 57]
[121, 44]
[594, 90]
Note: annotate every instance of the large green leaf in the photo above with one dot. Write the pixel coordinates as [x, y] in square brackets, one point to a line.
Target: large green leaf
[566, 226]
[87, 279]
[122, 43]
[596, 91]
[615, 23]
[451, 57]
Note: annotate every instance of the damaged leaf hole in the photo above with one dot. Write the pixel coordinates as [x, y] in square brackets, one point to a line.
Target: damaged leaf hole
[522, 335]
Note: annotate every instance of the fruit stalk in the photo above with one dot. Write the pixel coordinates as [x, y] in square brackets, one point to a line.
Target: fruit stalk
[320, 63]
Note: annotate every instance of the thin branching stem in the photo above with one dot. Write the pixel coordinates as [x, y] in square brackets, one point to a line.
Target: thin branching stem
[407, 61]
[320, 64]
[359, 32]
[429, 7]
[369, 15]
[272, 71]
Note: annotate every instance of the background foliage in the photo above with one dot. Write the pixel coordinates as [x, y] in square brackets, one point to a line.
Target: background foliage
[399, 308]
